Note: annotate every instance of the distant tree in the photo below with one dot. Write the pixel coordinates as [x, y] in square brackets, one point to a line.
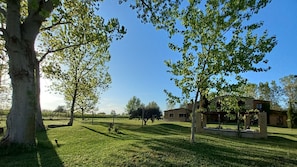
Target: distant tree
[133, 105]
[150, 112]
[113, 113]
[249, 90]
[276, 93]
[60, 109]
[264, 91]
[289, 84]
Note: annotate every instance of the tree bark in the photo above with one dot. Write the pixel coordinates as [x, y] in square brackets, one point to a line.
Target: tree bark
[193, 127]
[70, 123]
[21, 119]
[39, 122]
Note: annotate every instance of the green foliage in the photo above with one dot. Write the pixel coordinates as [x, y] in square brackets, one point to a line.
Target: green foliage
[133, 104]
[79, 40]
[249, 90]
[151, 111]
[290, 88]
[60, 109]
[218, 44]
[264, 91]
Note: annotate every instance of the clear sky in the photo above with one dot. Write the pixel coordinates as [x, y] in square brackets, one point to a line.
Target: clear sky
[137, 63]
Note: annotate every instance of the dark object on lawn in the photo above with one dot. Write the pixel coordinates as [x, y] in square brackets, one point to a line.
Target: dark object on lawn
[56, 140]
[109, 129]
[110, 125]
[1, 130]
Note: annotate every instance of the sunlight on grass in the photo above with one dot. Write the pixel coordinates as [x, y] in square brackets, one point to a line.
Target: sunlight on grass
[157, 144]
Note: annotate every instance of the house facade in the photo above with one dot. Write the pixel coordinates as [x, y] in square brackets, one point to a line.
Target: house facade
[178, 114]
[183, 114]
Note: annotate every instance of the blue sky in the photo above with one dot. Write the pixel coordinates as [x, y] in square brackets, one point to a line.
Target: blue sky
[137, 63]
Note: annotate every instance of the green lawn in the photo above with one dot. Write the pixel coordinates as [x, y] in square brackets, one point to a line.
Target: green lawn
[157, 144]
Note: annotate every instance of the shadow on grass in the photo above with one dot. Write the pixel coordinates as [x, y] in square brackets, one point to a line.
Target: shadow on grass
[57, 126]
[206, 152]
[44, 154]
[46, 151]
[101, 133]
[156, 129]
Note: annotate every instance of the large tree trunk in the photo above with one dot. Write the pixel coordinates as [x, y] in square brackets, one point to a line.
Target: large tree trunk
[39, 122]
[21, 119]
[20, 37]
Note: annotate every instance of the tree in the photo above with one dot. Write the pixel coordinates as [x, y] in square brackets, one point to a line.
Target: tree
[290, 88]
[276, 92]
[290, 91]
[133, 105]
[264, 91]
[87, 101]
[79, 77]
[219, 43]
[233, 104]
[151, 111]
[20, 24]
[249, 90]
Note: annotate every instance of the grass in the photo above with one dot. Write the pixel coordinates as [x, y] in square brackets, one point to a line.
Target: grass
[157, 144]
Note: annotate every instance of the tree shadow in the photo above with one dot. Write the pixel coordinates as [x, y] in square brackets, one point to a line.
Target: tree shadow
[156, 129]
[44, 154]
[46, 151]
[101, 133]
[205, 152]
[57, 126]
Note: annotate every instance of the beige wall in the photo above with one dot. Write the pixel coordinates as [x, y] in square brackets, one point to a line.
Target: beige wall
[179, 114]
[278, 120]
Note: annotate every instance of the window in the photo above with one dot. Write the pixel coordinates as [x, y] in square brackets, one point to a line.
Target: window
[259, 106]
[170, 115]
[182, 115]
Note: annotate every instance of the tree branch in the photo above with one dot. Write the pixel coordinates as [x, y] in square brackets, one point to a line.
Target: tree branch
[55, 24]
[60, 49]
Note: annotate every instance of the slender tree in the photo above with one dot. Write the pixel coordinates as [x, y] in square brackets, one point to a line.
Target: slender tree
[219, 43]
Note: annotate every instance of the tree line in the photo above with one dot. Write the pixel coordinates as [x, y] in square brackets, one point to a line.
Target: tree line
[136, 109]
[280, 95]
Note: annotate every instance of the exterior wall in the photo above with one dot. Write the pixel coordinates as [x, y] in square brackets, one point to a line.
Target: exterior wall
[261, 105]
[180, 114]
[278, 119]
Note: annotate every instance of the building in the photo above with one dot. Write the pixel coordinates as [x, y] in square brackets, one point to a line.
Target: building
[183, 114]
[178, 114]
[278, 118]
